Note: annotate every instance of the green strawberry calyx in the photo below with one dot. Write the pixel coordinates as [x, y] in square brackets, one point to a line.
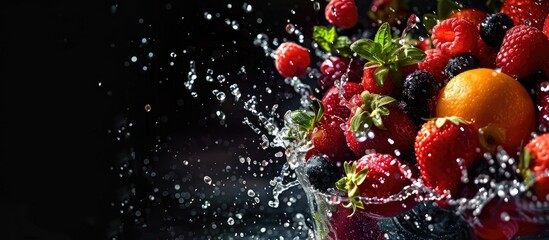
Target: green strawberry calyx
[305, 121]
[328, 39]
[439, 122]
[350, 184]
[524, 167]
[374, 106]
[387, 55]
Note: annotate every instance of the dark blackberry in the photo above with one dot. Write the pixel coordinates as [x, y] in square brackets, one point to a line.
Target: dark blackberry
[494, 27]
[542, 100]
[322, 172]
[425, 221]
[418, 95]
[334, 68]
[460, 63]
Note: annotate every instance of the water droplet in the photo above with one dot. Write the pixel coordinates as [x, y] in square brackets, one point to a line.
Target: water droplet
[316, 6]
[221, 78]
[360, 136]
[230, 221]
[251, 193]
[208, 180]
[247, 7]
[290, 28]
[220, 115]
[176, 187]
[148, 108]
[505, 216]
[220, 96]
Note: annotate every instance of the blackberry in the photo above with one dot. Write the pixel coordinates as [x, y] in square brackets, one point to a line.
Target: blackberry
[542, 101]
[494, 27]
[418, 95]
[460, 63]
[425, 221]
[334, 68]
[322, 172]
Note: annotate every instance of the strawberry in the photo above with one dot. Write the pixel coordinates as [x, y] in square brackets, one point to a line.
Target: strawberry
[527, 12]
[324, 131]
[376, 124]
[382, 72]
[445, 147]
[378, 176]
[334, 105]
[291, 59]
[455, 35]
[534, 165]
[357, 226]
[524, 51]
[474, 16]
[342, 13]
[434, 63]
[495, 220]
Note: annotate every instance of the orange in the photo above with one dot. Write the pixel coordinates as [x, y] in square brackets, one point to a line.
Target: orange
[497, 105]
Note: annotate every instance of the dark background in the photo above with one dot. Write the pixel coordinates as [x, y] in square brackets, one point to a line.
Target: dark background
[81, 157]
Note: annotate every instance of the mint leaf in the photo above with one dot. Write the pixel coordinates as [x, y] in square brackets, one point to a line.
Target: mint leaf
[383, 35]
[303, 120]
[409, 56]
[325, 37]
[364, 48]
[342, 46]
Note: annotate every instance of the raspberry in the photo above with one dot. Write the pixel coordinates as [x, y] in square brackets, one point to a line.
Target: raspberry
[460, 63]
[486, 54]
[524, 50]
[494, 27]
[527, 12]
[455, 35]
[474, 15]
[434, 63]
[342, 13]
[291, 59]
[334, 68]
[418, 95]
[546, 26]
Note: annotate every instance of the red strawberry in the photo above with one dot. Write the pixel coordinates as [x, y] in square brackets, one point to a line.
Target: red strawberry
[524, 51]
[534, 164]
[434, 63]
[377, 125]
[378, 176]
[357, 226]
[291, 59]
[496, 220]
[334, 68]
[474, 16]
[445, 147]
[455, 35]
[522, 12]
[342, 13]
[334, 105]
[382, 73]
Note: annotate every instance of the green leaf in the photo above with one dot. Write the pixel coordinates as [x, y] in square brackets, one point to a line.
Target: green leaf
[358, 121]
[383, 35]
[376, 120]
[382, 100]
[325, 37]
[364, 48]
[380, 74]
[303, 120]
[319, 112]
[343, 46]
[341, 184]
[447, 7]
[361, 176]
[347, 168]
[410, 55]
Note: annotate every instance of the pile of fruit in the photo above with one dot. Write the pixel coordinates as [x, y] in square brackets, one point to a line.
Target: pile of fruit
[412, 126]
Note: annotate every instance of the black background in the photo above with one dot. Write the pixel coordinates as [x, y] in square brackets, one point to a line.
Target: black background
[73, 108]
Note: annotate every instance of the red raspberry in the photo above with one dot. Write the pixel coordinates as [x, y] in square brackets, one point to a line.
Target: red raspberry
[455, 35]
[334, 68]
[434, 63]
[486, 54]
[546, 26]
[342, 13]
[524, 50]
[333, 105]
[527, 12]
[473, 15]
[291, 59]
